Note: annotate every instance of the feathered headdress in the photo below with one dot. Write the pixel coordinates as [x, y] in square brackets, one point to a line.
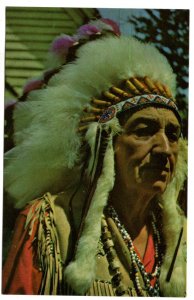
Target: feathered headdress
[80, 105]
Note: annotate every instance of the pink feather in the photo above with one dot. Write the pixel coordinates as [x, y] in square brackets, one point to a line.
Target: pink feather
[87, 30]
[33, 84]
[113, 24]
[61, 44]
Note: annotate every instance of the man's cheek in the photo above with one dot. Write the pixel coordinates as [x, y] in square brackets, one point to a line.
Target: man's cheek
[173, 164]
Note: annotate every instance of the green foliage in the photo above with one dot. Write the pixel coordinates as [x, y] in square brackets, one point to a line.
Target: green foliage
[168, 30]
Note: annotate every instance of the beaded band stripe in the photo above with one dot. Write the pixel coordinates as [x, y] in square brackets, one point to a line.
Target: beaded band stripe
[122, 106]
[133, 92]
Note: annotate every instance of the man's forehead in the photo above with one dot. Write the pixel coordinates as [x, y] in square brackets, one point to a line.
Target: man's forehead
[156, 114]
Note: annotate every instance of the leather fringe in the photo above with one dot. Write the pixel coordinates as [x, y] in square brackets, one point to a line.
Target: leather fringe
[48, 252]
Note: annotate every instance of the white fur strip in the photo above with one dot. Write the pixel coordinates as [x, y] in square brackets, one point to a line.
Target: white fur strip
[81, 273]
[91, 136]
[173, 220]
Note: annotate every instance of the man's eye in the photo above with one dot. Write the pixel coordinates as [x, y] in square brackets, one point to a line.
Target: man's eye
[173, 136]
[145, 131]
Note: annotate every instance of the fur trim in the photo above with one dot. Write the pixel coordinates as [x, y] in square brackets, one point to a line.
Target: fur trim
[114, 125]
[92, 139]
[47, 143]
[173, 221]
[85, 259]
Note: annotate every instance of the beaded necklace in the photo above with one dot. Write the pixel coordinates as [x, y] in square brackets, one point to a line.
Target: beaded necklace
[136, 262]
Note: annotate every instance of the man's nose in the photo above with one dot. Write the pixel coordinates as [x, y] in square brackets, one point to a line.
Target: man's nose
[161, 144]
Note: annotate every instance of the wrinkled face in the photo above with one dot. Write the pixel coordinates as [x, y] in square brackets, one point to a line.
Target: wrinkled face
[146, 152]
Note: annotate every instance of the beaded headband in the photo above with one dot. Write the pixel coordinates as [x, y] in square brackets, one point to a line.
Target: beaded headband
[134, 93]
[137, 101]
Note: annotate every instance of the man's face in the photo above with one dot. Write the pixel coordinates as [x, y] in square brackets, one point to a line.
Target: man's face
[146, 152]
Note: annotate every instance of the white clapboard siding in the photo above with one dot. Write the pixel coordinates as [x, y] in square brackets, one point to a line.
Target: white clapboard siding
[29, 33]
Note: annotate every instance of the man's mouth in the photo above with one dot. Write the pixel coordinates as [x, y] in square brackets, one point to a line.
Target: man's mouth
[156, 167]
[153, 169]
[154, 172]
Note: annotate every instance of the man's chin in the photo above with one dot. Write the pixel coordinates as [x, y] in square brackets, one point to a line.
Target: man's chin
[157, 186]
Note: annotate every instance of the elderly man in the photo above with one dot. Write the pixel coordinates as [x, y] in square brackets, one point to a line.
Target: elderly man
[104, 138]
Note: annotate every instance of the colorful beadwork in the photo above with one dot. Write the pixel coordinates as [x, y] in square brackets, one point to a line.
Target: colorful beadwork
[108, 114]
[136, 101]
[136, 262]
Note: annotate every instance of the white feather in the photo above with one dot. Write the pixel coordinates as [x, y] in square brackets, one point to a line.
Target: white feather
[47, 142]
[81, 273]
[173, 221]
